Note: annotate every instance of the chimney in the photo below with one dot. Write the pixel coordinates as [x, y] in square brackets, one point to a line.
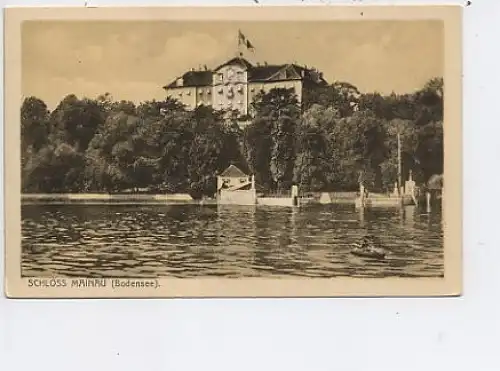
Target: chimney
[205, 67]
[265, 63]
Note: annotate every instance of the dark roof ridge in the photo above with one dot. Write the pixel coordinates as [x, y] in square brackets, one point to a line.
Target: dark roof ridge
[256, 73]
[242, 61]
[194, 78]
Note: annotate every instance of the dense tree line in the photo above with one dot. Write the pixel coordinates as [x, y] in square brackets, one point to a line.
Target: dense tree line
[330, 141]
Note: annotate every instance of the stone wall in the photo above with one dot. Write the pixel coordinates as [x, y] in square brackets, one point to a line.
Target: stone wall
[275, 201]
[247, 197]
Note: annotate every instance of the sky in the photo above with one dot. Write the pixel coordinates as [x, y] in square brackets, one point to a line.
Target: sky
[133, 60]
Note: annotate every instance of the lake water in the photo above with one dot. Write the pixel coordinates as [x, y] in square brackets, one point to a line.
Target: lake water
[195, 241]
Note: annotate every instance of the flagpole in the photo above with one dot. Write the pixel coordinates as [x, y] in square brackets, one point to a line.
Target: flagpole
[239, 52]
[244, 43]
[400, 182]
[238, 41]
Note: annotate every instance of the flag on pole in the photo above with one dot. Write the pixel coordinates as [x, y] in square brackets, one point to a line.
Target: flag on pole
[250, 46]
[241, 38]
[244, 42]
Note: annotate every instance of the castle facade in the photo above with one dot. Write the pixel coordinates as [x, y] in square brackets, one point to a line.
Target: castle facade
[234, 84]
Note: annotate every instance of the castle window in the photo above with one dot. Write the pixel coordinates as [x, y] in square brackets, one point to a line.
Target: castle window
[188, 92]
[252, 90]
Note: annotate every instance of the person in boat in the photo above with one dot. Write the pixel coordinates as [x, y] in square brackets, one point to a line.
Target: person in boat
[368, 240]
[370, 245]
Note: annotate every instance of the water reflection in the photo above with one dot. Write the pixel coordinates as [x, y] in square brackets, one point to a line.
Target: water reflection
[193, 240]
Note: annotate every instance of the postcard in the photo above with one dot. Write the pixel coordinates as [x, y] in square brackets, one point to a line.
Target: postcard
[307, 151]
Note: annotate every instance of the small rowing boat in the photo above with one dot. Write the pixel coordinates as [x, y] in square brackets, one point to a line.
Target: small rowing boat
[367, 248]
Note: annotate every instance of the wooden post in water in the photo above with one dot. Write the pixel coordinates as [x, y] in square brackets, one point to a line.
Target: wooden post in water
[361, 211]
[400, 181]
[359, 202]
[295, 195]
[361, 206]
[428, 199]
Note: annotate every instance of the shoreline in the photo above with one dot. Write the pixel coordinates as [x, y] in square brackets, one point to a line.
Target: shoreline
[106, 198]
[323, 198]
[158, 199]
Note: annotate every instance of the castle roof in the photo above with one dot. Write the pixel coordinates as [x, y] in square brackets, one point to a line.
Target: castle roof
[235, 61]
[260, 73]
[193, 78]
[256, 73]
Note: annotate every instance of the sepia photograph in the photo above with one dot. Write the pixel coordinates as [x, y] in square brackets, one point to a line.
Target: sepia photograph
[253, 152]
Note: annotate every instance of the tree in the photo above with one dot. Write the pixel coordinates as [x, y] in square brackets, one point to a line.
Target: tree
[155, 110]
[342, 96]
[430, 102]
[76, 121]
[37, 171]
[340, 137]
[280, 109]
[358, 150]
[257, 145]
[111, 154]
[234, 140]
[54, 169]
[34, 124]
[314, 164]
[174, 137]
[430, 149]
[68, 168]
[213, 148]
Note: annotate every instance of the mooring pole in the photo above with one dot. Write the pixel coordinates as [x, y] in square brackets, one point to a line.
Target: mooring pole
[400, 182]
[428, 199]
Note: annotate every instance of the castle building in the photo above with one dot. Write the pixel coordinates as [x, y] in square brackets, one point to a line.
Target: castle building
[234, 84]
